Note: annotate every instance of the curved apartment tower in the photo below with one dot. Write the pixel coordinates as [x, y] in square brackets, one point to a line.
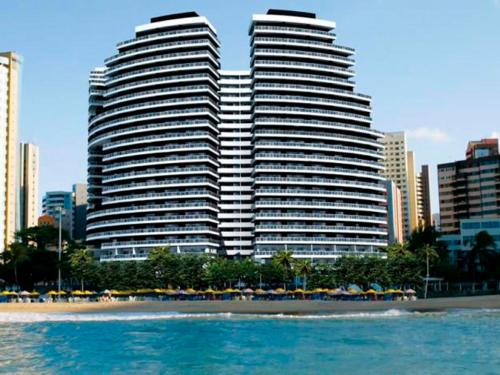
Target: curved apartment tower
[153, 142]
[317, 184]
[242, 163]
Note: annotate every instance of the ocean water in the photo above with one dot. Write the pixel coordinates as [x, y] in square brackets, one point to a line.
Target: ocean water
[391, 342]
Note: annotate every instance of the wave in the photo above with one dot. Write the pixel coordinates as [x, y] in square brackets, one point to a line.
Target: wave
[27, 317]
[128, 316]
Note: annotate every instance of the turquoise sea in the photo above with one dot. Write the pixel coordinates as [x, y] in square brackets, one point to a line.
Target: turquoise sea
[392, 342]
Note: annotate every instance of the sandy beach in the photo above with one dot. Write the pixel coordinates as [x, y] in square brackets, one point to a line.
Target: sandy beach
[258, 307]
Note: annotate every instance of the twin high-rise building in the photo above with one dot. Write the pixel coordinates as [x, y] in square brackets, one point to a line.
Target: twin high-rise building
[28, 192]
[203, 160]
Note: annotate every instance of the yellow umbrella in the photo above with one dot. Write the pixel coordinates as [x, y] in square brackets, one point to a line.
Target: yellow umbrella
[371, 291]
[35, 293]
[191, 291]
[52, 293]
[77, 293]
[260, 291]
[62, 293]
[298, 291]
[209, 291]
[88, 293]
[352, 291]
[280, 290]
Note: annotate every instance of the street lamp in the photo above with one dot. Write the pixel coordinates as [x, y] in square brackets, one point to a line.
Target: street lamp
[59, 252]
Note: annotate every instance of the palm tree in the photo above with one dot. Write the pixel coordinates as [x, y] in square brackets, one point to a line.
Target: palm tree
[303, 268]
[483, 246]
[17, 254]
[284, 258]
[429, 253]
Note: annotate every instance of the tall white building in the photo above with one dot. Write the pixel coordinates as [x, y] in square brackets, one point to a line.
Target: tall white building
[238, 163]
[10, 72]
[29, 183]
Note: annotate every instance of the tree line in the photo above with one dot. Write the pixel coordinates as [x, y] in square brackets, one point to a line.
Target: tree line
[32, 261]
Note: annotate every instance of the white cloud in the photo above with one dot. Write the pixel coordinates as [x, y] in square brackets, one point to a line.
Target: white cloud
[495, 134]
[434, 134]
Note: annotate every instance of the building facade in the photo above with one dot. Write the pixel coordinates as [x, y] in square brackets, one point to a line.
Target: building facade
[29, 182]
[79, 211]
[10, 76]
[153, 142]
[400, 168]
[239, 163]
[424, 199]
[394, 213]
[52, 202]
[235, 170]
[469, 189]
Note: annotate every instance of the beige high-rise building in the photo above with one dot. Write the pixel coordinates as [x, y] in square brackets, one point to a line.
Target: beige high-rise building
[28, 189]
[10, 71]
[400, 168]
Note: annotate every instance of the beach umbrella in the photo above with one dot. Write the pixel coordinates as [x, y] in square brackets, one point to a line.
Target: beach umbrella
[52, 293]
[280, 291]
[106, 291]
[370, 291]
[298, 291]
[209, 291]
[171, 291]
[77, 293]
[410, 291]
[25, 293]
[35, 293]
[260, 291]
[376, 287]
[248, 291]
[9, 293]
[190, 291]
[88, 293]
[355, 287]
[353, 291]
[61, 293]
[334, 292]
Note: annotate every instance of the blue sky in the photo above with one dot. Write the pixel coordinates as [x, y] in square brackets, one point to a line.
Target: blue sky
[432, 67]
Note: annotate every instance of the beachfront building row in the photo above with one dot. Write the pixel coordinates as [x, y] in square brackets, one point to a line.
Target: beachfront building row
[243, 162]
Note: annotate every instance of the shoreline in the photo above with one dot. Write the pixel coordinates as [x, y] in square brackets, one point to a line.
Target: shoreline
[257, 307]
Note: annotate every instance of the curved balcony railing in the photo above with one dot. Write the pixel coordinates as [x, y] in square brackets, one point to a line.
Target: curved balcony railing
[164, 195]
[265, 215]
[169, 182]
[309, 169]
[280, 51]
[156, 47]
[156, 138]
[305, 76]
[308, 110]
[158, 92]
[149, 116]
[154, 36]
[323, 146]
[143, 150]
[318, 181]
[299, 98]
[280, 156]
[307, 66]
[152, 161]
[310, 88]
[163, 171]
[318, 134]
[294, 29]
[325, 228]
[159, 69]
[294, 203]
[152, 207]
[166, 242]
[153, 219]
[338, 240]
[310, 192]
[145, 232]
[159, 80]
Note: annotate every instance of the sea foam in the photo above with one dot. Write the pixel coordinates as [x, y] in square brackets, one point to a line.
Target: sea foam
[26, 317]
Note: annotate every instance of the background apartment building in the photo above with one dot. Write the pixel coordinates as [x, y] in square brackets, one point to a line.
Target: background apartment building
[10, 72]
[470, 188]
[29, 179]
